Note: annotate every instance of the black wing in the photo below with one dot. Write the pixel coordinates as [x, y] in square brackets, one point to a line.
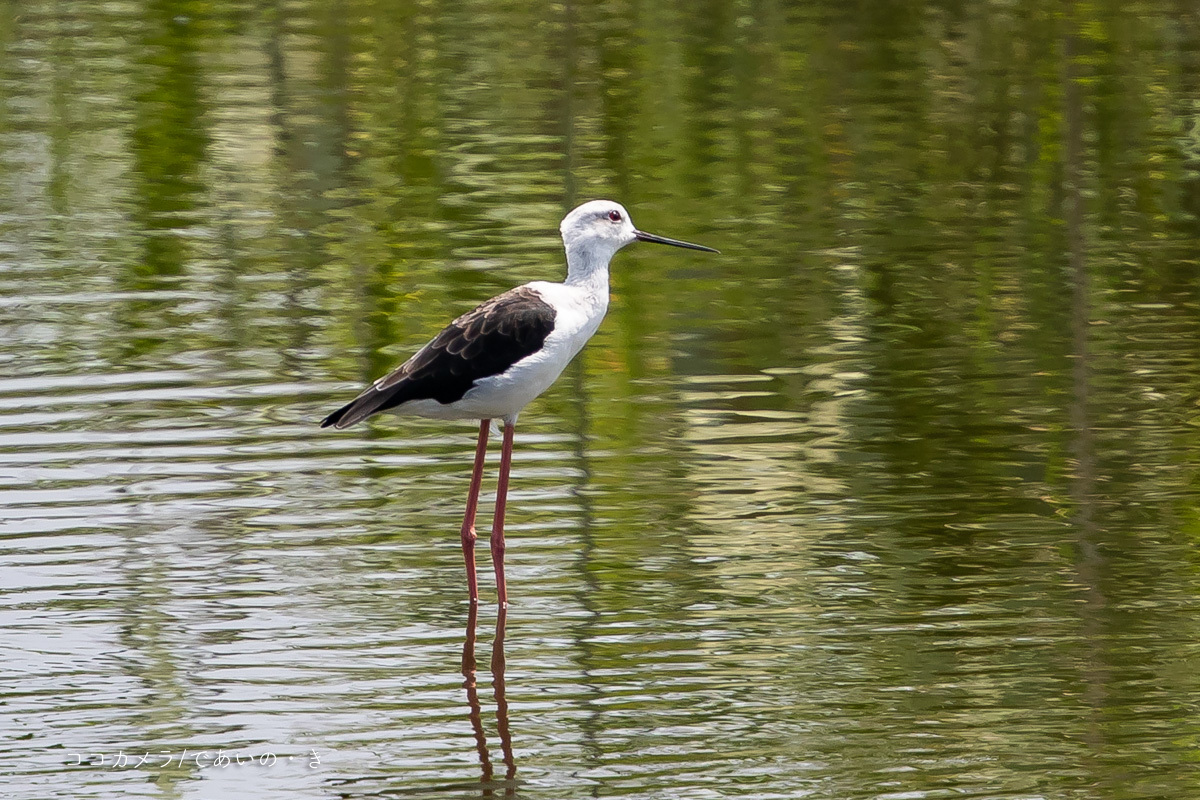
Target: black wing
[480, 343]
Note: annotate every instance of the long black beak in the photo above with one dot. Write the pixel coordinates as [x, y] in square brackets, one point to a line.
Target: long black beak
[650, 237]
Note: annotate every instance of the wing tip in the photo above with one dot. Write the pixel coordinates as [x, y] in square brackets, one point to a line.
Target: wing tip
[334, 420]
[372, 401]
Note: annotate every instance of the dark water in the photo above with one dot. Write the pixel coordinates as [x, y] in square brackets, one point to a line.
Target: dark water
[897, 498]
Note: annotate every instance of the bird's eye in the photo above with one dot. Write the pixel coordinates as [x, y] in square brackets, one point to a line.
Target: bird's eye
[615, 216]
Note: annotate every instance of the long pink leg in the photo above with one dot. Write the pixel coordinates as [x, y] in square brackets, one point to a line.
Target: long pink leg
[498, 519]
[468, 526]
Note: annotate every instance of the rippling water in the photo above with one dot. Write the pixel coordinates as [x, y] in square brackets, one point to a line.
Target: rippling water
[894, 499]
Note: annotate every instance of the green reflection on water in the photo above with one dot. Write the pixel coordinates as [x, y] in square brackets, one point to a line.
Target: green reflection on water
[897, 495]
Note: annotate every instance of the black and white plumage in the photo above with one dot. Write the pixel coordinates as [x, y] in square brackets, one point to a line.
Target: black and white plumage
[480, 344]
[492, 361]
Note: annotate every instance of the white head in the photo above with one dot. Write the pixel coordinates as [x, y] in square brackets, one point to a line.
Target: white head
[596, 230]
[599, 226]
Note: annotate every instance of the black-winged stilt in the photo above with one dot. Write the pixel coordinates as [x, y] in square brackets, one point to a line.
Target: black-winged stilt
[490, 362]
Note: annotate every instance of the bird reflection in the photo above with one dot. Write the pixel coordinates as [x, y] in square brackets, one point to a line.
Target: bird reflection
[469, 665]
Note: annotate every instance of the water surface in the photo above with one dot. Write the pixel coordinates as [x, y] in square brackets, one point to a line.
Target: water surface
[896, 498]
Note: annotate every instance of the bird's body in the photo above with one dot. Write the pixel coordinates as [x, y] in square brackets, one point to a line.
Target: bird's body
[578, 312]
[494, 360]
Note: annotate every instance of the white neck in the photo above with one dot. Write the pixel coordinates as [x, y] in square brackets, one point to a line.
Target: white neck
[587, 268]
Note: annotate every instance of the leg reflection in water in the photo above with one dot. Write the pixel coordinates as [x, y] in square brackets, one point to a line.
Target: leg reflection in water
[510, 769]
[469, 666]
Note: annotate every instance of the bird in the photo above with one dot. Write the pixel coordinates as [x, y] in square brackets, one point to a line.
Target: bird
[492, 361]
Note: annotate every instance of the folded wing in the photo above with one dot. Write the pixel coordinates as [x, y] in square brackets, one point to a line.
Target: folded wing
[483, 342]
